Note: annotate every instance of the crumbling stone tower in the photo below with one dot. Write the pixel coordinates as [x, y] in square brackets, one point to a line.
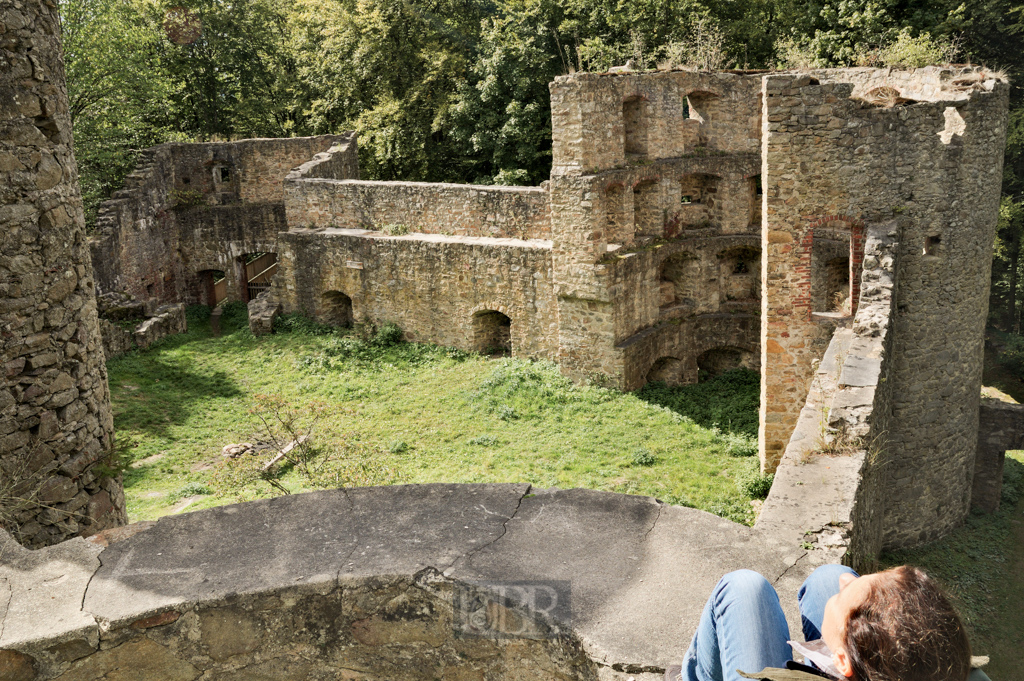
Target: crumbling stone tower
[56, 422]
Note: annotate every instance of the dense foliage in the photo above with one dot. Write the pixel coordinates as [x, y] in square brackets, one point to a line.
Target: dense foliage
[456, 90]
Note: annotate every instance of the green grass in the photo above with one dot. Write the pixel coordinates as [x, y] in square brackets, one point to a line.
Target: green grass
[415, 413]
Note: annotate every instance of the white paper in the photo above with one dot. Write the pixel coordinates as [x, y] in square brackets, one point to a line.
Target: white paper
[818, 653]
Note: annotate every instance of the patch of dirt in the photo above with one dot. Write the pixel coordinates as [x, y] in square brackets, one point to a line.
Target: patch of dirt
[147, 461]
[204, 465]
[185, 503]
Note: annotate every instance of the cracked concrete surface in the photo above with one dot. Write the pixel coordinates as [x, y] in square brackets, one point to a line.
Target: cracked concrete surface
[639, 570]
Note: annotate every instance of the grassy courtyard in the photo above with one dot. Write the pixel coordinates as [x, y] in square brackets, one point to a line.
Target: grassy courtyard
[411, 413]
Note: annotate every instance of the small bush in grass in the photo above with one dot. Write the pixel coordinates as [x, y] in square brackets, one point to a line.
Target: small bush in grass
[398, 447]
[755, 485]
[507, 413]
[191, 489]
[728, 401]
[388, 335]
[483, 440]
[301, 324]
[737, 444]
[642, 457]
[235, 316]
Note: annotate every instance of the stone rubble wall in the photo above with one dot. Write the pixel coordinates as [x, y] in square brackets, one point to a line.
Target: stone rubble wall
[681, 113]
[178, 215]
[167, 320]
[340, 162]
[430, 285]
[1000, 429]
[420, 207]
[55, 417]
[942, 184]
[927, 84]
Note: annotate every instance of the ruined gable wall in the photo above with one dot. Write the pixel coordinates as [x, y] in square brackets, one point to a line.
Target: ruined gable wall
[591, 117]
[431, 286]
[644, 161]
[179, 213]
[55, 417]
[421, 207]
[827, 158]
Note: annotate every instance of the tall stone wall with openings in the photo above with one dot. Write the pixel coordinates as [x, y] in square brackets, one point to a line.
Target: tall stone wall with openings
[655, 213]
[190, 210]
[835, 161]
[55, 417]
[456, 291]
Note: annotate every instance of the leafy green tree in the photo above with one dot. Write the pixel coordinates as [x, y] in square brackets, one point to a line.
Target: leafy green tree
[117, 90]
[389, 70]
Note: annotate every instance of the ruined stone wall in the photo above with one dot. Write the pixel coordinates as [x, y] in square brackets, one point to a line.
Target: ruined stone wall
[830, 160]
[604, 121]
[646, 168]
[420, 207]
[193, 207]
[431, 286]
[55, 417]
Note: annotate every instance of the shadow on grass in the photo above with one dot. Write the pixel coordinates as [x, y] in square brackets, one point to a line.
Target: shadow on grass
[729, 401]
[154, 389]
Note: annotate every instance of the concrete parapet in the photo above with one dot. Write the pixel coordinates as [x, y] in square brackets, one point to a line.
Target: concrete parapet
[389, 582]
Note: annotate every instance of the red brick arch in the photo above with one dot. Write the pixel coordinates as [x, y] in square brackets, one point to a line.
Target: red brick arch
[803, 300]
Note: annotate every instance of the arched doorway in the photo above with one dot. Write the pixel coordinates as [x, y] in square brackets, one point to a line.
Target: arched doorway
[668, 370]
[492, 333]
[717, 361]
[337, 309]
[213, 287]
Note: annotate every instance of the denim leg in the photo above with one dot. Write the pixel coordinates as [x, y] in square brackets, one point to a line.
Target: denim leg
[820, 586]
[742, 627]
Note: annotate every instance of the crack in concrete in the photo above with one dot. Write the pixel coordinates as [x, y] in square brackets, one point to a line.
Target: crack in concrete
[786, 571]
[504, 531]
[355, 543]
[661, 507]
[631, 667]
[6, 606]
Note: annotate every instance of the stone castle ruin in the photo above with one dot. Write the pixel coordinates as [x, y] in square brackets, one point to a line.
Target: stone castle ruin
[832, 229]
[693, 222]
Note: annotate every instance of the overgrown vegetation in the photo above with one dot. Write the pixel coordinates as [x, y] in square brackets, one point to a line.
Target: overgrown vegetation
[378, 410]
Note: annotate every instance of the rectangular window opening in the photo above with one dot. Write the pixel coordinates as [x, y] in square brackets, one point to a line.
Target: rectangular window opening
[932, 245]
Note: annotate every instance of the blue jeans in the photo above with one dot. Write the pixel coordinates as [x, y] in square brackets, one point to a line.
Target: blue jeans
[743, 627]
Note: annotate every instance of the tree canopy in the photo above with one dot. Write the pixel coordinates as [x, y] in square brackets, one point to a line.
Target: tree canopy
[456, 90]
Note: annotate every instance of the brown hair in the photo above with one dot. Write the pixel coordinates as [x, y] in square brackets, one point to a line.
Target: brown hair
[907, 630]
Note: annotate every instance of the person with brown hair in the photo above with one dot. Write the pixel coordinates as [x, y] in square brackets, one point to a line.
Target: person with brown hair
[895, 625]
